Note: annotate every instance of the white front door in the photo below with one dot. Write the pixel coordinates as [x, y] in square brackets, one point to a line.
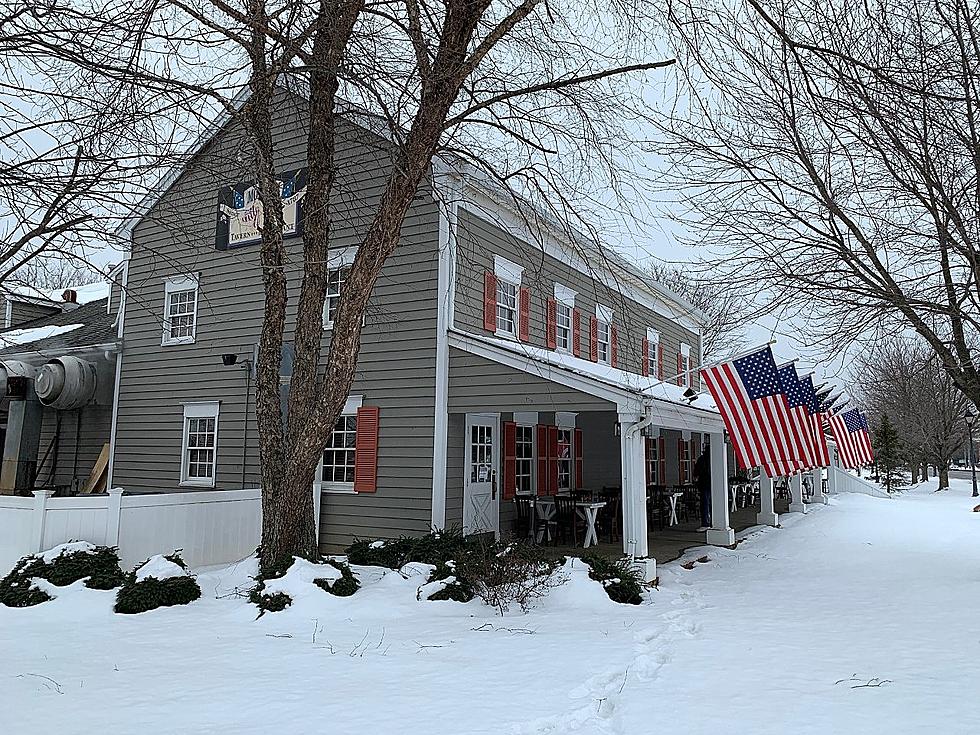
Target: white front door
[481, 494]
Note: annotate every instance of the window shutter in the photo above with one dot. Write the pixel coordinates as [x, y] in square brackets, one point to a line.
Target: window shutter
[662, 459]
[524, 315]
[660, 363]
[366, 450]
[576, 328]
[510, 459]
[594, 339]
[680, 378]
[682, 475]
[551, 323]
[490, 301]
[552, 460]
[542, 447]
[579, 465]
[695, 447]
[613, 345]
[645, 350]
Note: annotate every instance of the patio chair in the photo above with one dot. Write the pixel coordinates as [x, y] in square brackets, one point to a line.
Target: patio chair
[566, 520]
[524, 517]
[609, 517]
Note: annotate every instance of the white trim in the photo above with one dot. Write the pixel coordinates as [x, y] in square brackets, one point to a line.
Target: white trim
[653, 336]
[565, 419]
[177, 284]
[526, 418]
[198, 410]
[492, 419]
[565, 295]
[353, 403]
[8, 316]
[508, 271]
[685, 350]
[340, 258]
[120, 322]
[604, 313]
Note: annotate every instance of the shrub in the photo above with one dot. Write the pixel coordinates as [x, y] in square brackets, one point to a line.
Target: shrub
[620, 580]
[502, 575]
[346, 586]
[432, 548]
[140, 595]
[455, 589]
[97, 565]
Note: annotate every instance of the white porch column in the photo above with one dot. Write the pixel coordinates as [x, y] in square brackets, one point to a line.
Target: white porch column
[720, 533]
[635, 496]
[767, 514]
[817, 479]
[796, 504]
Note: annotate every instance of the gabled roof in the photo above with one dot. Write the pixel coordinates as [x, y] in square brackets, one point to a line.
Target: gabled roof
[52, 334]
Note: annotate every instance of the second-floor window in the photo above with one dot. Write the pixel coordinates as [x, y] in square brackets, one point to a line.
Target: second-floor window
[335, 282]
[506, 307]
[684, 366]
[563, 326]
[180, 310]
[653, 354]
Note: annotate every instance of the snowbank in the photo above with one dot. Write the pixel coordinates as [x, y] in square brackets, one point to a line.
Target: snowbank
[159, 567]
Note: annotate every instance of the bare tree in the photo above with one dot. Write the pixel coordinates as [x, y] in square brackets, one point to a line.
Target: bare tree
[903, 379]
[829, 155]
[537, 100]
[724, 309]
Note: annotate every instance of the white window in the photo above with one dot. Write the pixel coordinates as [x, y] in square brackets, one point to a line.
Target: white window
[564, 304]
[653, 353]
[180, 310]
[685, 365]
[509, 276]
[336, 471]
[604, 317]
[200, 444]
[335, 282]
[564, 460]
[653, 460]
[525, 459]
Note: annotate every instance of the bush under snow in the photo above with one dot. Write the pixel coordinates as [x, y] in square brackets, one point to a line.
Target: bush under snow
[160, 581]
[60, 566]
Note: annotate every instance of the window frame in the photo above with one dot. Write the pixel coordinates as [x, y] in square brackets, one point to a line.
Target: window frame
[338, 260]
[529, 443]
[685, 366]
[564, 300]
[175, 285]
[503, 284]
[653, 353]
[341, 488]
[604, 321]
[510, 274]
[198, 410]
[565, 465]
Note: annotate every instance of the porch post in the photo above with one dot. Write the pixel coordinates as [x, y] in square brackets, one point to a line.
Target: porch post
[720, 533]
[796, 504]
[634, 496]
[832, 471]
[817, 479]
[767, 514]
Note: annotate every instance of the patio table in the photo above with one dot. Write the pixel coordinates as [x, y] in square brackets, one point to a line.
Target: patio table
[587, 509]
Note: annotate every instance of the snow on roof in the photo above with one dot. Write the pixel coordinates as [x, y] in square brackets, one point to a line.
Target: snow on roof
[645, 386]
[86, 294]
[23, 336]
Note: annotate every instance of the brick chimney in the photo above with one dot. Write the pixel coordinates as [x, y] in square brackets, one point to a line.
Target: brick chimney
[70, 296]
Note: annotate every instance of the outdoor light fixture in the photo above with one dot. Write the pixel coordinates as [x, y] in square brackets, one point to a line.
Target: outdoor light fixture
[690, 394]
[971, 420]
[229, 359]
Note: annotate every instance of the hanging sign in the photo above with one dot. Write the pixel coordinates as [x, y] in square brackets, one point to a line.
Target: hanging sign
[240, 211]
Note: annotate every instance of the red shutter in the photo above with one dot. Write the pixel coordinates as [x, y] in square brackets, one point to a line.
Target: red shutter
[551, 323]
[680, 378]
[524, 315]
[660, 363]
[645, 357]
[662, 459]
[510, 459]
[576, 328]
[542, 442]
[552, 460]
[681, 474]
[579, 465]
[594, 339]
[695, 447]
[490, 301]
[366, 450]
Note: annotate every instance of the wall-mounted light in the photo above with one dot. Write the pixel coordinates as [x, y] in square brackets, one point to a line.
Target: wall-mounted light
[690, 394]
[229, 358]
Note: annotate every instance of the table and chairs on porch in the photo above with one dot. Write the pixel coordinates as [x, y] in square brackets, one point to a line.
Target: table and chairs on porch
[565, 517]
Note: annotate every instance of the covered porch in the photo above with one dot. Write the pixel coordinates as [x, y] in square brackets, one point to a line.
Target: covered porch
[527, 425]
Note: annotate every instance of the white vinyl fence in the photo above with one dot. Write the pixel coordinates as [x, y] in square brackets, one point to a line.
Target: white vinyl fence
[846, 482]
[210, 527]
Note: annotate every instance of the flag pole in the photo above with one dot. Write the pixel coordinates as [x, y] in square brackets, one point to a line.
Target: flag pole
[699, 368]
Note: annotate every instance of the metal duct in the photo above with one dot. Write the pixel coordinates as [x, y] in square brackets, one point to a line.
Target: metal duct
[66, 383]
[12, 369]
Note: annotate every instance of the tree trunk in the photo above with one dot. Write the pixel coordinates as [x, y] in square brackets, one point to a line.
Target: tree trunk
[943, 477]
[915, 473]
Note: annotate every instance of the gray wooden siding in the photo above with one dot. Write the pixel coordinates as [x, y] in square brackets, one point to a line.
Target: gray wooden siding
[396, 370]
[477, 384]
[22, 312]
[455, 460]
[81, 435]
[478, 240]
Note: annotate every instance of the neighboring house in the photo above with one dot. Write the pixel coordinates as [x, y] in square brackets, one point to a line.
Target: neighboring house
[57, 445]
[498, 357]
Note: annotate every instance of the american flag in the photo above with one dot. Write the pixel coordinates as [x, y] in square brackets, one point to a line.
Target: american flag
[755, 412]
[802, 434]
[822, 452]
[851, 435]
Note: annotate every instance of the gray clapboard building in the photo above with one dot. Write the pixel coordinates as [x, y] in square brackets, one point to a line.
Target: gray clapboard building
[500, 355]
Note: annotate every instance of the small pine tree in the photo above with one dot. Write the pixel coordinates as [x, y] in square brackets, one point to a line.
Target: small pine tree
[888, 454]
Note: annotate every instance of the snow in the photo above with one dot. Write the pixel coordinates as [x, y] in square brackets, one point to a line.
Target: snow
[23, 336]
[84, 294]
[71, 547]
[160, 567]
[857, 617]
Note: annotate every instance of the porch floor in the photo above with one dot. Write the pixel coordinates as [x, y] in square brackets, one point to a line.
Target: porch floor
[671, 542]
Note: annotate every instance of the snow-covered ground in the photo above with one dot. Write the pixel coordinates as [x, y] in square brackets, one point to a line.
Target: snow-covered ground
[861, 617]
